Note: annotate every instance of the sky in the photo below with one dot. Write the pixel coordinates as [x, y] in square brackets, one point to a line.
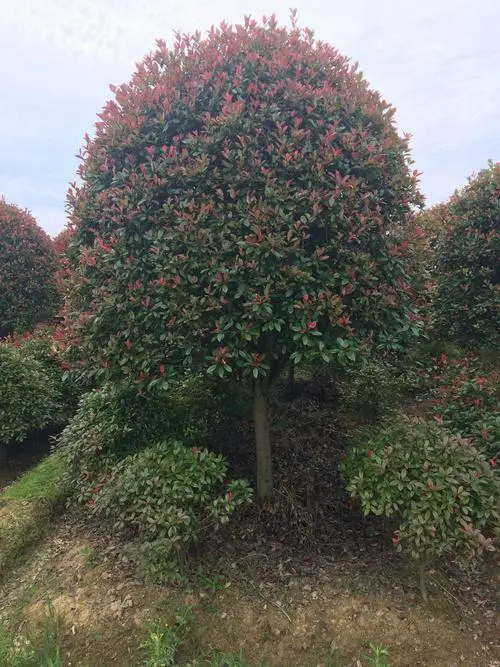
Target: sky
[436, 61]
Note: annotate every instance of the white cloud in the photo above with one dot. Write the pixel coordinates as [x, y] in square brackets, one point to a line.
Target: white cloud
[437, 61]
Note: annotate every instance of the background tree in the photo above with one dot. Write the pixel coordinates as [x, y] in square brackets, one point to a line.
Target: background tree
[468, 262]
[28, 292]
[234, 214]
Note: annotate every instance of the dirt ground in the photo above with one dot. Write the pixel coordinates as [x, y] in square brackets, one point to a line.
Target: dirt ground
[284, 607]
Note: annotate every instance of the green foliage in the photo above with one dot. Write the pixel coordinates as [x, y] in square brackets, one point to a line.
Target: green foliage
[115, 420]
[438, 488]
[242, 221]
[372, 387]
[44, 344]
[172, 495]
[163, 640]
[377, 656]
[38, 648]
[463, 393]
[468, 267]
[28, 399]
[28, 264]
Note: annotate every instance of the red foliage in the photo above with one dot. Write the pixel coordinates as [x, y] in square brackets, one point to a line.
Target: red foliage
[236, 200]
[28, 292]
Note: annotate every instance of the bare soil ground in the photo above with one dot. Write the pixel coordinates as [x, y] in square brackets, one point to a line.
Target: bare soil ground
[277, 604]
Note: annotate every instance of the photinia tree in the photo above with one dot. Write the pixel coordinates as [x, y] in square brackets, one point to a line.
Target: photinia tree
[28, 292]
[234, 213]
[468, 262]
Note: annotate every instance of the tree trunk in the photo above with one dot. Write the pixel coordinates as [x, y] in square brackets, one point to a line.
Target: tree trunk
[3, 457]
[291, 378]
[262, 441]
[422, 581]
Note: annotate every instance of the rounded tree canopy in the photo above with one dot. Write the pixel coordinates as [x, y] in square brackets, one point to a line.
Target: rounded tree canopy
[28, 292]
[468, 262]
[235, 211]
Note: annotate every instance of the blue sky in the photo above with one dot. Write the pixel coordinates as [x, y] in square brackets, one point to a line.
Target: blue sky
[437, 61]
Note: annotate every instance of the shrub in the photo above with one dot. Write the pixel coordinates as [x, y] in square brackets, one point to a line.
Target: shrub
[115, 421]
[468, 262]
[372, 387]
[45, 346]
[235, 211]
[28, 399]
[171, 495]
[28, 292]
[463, 394]
[439, 489]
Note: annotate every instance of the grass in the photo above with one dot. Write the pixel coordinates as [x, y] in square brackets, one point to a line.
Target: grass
[27, 506]
[38, 648]
[43, 482]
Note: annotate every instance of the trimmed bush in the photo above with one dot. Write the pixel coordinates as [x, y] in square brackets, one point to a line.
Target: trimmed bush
[440, 491]
[115, 421]
[172, 496]
[28, 264]
[468, 263]
[463, 394]
[29, 400]
[44, 345]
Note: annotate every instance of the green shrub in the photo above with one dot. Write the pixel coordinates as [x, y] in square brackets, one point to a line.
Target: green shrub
[463, 394]
[115, 421]
[171, 495]
[372, 386]
[468, 271]
[43, 345]
[28, 399]
[438, 488]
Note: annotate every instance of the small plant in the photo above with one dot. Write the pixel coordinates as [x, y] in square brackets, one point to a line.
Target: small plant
[213, 584]
[163, 640]
[171, 495]
[40, 648]
[439, 489]
[377, 656]
[226, 660]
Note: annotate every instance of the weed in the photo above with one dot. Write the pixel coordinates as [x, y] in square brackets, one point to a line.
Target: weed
[40, 648]
[377, 656]
[163, 641]
[214, 584]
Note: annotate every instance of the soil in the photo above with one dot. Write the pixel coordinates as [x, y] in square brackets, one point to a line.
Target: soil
[270, 601]
[301, 582]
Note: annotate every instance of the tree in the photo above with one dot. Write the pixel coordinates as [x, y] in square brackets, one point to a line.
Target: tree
[234, 214]
[28, 292]
[468, 262]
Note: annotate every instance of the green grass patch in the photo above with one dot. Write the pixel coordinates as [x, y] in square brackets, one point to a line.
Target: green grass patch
[43, 482]
[27, 507]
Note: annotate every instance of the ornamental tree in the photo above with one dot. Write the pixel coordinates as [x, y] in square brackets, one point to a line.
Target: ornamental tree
[28, 292]
[468, 262]
[234, 213]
